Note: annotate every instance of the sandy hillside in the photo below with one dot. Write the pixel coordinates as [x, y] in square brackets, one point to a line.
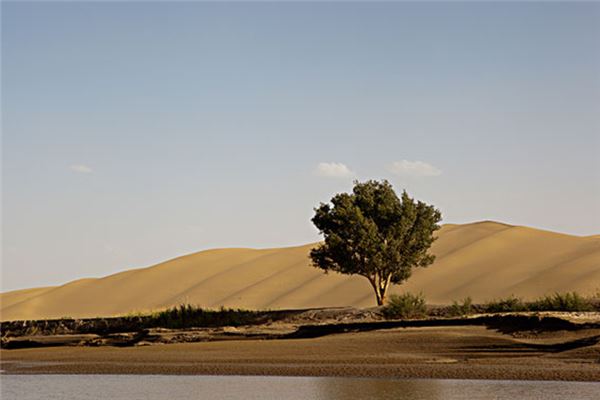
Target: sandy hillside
[483, 260]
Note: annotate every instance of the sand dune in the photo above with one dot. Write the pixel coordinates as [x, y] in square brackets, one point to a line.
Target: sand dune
[484, 260]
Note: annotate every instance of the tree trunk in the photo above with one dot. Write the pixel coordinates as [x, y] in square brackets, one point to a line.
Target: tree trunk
[380, 286]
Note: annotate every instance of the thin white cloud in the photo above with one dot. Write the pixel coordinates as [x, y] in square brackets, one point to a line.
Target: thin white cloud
[333, 170]
[413, 169]
[80, 168]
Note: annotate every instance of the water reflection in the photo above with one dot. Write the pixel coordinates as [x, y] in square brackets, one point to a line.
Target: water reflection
[153, 387]
[381, 389]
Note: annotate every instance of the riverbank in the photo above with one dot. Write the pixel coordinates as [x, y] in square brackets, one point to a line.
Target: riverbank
[457, 352]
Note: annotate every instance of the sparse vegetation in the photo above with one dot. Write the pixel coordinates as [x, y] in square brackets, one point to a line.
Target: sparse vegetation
[570, 301]
[464, 307]
[508, 304]
[405, 306]
[186, 315]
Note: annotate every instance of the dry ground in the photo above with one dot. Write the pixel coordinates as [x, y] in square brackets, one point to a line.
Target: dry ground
[449, 352]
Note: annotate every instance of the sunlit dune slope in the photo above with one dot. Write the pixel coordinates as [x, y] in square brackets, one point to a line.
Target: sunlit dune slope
[484, 260]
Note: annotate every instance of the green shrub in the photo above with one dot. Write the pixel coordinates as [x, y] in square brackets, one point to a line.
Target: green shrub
[185, 316]
[464, 307]
[405, 305]
[509, 304]
[570, 301]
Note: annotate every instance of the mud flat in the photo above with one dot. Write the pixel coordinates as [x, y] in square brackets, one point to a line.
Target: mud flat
[523, 347]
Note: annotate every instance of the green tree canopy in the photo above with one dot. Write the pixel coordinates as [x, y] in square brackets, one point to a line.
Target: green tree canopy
[373, 233]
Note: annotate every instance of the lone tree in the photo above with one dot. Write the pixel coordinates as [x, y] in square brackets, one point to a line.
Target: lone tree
[373, 233]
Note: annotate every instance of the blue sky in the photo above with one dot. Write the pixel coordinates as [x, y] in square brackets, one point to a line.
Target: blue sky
[136, 132]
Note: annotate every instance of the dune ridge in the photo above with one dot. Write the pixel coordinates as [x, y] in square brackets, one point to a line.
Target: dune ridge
[484, 260]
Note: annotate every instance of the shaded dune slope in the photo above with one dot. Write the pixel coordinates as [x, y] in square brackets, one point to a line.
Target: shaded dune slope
[484, 260]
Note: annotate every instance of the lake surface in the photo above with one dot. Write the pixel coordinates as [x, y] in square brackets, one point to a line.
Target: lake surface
[151, 387]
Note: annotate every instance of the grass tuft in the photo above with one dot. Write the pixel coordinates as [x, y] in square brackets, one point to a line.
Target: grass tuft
[508, 304]
[405, 306]
[570, 301]
[186, 316]
[464, 307]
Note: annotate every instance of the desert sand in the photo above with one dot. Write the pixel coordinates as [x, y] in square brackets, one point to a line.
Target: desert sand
[484, 260]
[449, 352]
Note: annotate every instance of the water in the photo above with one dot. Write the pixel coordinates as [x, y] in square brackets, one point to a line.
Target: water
[151, 387]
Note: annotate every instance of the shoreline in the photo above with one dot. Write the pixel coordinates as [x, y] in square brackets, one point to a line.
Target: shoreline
[351, 372]
[461, 352]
